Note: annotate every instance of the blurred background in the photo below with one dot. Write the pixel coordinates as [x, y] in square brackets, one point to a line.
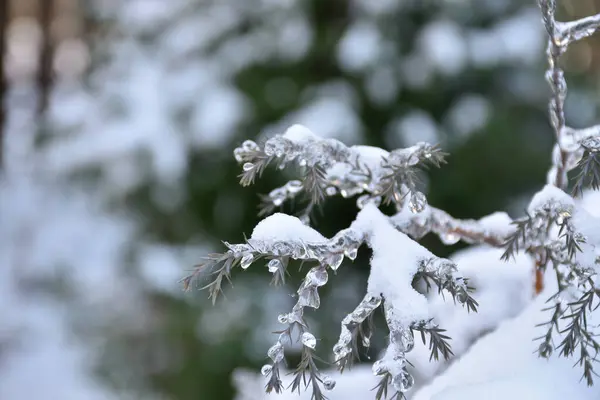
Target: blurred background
[118, 122]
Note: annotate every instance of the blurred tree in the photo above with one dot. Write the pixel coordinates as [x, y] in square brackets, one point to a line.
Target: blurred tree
[174, 86]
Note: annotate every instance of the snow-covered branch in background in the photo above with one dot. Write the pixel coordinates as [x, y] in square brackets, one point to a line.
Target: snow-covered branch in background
[573, 146]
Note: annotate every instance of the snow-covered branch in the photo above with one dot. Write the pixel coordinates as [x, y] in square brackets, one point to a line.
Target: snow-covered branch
[329, 167]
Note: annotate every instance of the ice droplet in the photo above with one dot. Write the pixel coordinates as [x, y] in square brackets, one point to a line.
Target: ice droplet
[248, 166]
[417, 203]
[309, 297]
[404, 339]
[283, 319]
[403, 382]
[330, 191]
[328, 382]
[274, 265]
[249, 145]
[317, 276]
[238, 154]
[246, 261]
[449, 238]
[351, 253]
[278, 196]
[275, 353]
[294, 186]
[302, 162]
[379, 368]
[340, 351]
[309, 340]
[266, 370]
[366, 341]
[270, 148]
[335, 260]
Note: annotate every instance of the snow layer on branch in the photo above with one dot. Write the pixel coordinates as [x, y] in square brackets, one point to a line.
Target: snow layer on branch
[300, 134]
[370, 156]
[498, 222]
[283, 227]
[395, 261]
[547, 195]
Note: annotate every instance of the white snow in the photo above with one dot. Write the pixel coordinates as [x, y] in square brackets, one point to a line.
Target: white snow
[370, 156]
[300, 134]
[393, 265]
[499, 222]
[283, 227]
[549, 194]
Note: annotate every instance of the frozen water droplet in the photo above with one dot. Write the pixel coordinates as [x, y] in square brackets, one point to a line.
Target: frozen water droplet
[330, 191]
[309, 297]
[274, 265]
[404, 339]
[449, 238]
[374, 301]
[351, 253]
[246, 261]
[294, 186]
[335, 260]
[238, 154]
[299, 251]
[317, 276]
[379, 368]
[283, 319]
[248, 166]
[266, 370]
[403, 382]
[417, 203]
[328, 383]
[309, 340]
[366, 341]
[249, 145]
[270, 148]
[275, 353]
[462, 297]
[302, 162]
[427, 154]
[340, 351]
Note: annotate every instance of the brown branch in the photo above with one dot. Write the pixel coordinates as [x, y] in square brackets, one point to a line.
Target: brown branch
[45, 76]
[4, 12]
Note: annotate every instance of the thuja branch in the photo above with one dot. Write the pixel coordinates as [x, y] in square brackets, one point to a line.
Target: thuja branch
[567, 151]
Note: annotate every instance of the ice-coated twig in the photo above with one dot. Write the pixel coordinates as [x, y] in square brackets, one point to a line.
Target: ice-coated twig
[329, 167]
[567, 151]
[492, 230]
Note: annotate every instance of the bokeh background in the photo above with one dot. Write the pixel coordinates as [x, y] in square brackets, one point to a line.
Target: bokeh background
[118, 122]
